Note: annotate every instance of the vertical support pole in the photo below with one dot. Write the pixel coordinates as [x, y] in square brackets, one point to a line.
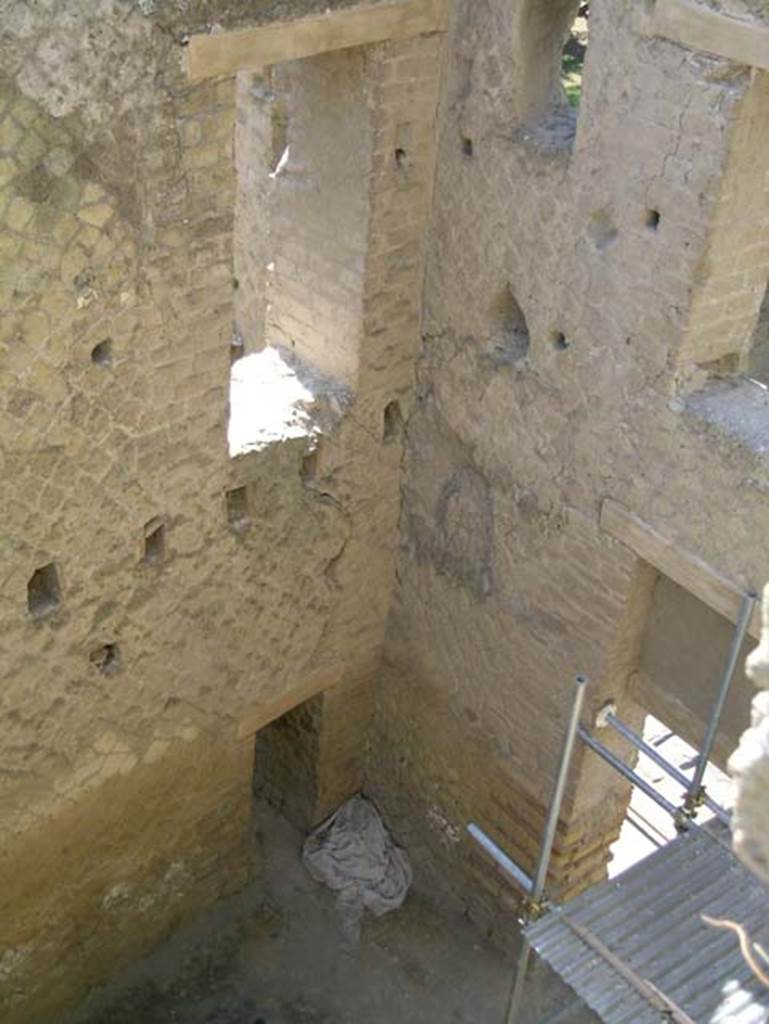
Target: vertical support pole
[516, 996]
[562, 775]
[694, 793]
[546, 849]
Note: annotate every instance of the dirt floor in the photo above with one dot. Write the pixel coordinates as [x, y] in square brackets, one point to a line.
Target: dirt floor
[276, 953]
[284, 960]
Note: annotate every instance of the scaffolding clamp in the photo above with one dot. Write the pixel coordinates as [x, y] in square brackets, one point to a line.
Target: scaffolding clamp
[532, 909]
[687, 812]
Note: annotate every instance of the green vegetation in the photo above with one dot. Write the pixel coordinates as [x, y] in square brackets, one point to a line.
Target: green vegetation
[573, 60]
[571, 76]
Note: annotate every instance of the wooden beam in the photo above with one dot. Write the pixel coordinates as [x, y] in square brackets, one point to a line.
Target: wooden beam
[687, 570]
[266, 712]
[694, 25]
[253, 49]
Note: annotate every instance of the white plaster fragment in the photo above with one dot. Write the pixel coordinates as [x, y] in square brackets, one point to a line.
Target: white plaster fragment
[117, 896]
[12, 959]
[438, 821]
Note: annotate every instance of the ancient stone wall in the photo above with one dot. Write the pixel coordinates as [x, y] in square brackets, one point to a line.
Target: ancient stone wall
[319, 215]
[568, 256]
[257, 133]
[591, 283]
[404, 90]
[162, 600]
[732, 282]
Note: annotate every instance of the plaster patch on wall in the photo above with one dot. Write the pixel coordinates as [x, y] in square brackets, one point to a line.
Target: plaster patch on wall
[80, 49]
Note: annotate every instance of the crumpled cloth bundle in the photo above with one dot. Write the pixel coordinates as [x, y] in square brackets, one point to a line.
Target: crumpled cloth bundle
[354, 855]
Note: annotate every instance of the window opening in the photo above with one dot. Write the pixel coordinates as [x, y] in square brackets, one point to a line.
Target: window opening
[573, 56]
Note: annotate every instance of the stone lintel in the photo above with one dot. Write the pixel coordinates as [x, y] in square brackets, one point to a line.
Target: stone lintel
[254, 49]
[267, 711]
[684, 568]
[700, 28]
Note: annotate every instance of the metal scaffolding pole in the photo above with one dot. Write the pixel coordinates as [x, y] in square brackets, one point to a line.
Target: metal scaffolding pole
[695, 794]
[562, 775]
[619, 765]
[521, 970]
[695, 791]
[654, 755]
[548, 838]
[507, 864]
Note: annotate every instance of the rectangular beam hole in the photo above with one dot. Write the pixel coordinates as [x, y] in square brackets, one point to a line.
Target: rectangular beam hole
[238, 513]
[154, 541]
[43, 591]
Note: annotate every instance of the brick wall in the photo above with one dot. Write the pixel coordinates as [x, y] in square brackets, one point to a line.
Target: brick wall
[286, 763]
[506, 584]
[254, 137]
[119, 185]
[118, 193]
[319, 212]
[313, 758]
[732, 280]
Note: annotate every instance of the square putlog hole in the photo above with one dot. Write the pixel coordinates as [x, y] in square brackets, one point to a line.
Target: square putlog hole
[43, 591]
[101, 354]
[237, 508]
[392, 422]
[106, 659]
[154, 542]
